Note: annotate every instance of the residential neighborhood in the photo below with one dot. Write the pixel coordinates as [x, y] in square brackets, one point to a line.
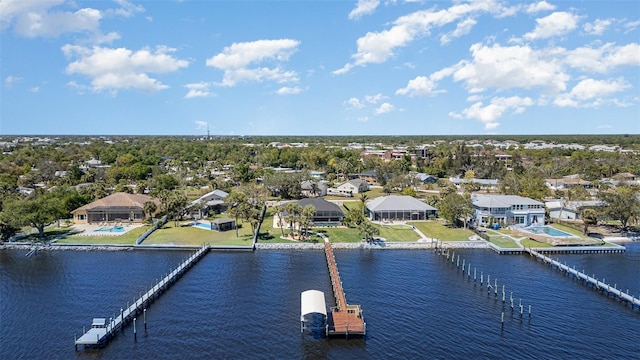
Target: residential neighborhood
[122, 183]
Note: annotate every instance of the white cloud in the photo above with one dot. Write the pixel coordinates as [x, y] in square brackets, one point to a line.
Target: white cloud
[463, 28]
[354, 103]
[509, 67]
[378, 47]
[35, 89]
[201, 125]
[540, 6]
[384, 108]
[591, 93]
[10, 80]
[235, 60]
[363, 119]
[597, 27]
[121, 68]
[46, 18]
[631, 26]
[126, 9]
[604, 58]
[197, 90]
[289, 90]
[374, 99]
[556, 24]
[421, 85]
[490, 113]
[363, 7]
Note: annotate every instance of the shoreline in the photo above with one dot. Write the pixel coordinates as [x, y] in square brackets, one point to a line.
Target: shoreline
[270, 246]
[259, 246]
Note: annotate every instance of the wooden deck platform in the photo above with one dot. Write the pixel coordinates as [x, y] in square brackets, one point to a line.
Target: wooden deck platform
[344, 319]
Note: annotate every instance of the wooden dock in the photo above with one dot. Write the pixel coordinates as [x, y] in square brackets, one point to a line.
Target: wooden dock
[344, 319]
[102, 329]
[591, 281]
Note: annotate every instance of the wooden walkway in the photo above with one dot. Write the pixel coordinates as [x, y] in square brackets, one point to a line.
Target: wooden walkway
[99, 336]
[344, 319]
[590, 281]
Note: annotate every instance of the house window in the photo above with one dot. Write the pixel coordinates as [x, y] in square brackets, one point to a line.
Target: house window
[81, 217]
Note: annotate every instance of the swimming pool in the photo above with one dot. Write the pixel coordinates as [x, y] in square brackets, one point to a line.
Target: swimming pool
[110, 229]
[548, 230]
[202, 225]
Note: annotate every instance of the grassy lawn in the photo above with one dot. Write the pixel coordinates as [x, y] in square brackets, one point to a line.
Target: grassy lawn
[502, 241]
[348, 235]
[435, 229]
[568, 229]
[128, 238]
[534, 244]
[398, 233]
[194, 236]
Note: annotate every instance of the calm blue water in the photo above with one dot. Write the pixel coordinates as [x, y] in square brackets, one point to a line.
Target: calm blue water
[548, 230]
[246, 305]
[110, 229]
[202, 225]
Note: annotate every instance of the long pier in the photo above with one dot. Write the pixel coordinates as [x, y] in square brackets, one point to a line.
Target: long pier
[344, 319]
[102, 331]
[587, 280]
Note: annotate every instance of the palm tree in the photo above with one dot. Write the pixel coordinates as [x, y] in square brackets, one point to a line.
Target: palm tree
[307, 216]
[315, 190]
[368, 230]
[150, 208]
[363, 198]
[236, 201]
[281, 212]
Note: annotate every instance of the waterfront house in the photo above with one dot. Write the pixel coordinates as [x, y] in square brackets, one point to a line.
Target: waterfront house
[507, 210]
[211, 202]
[326, 211]
[117, 207]
[398, 208]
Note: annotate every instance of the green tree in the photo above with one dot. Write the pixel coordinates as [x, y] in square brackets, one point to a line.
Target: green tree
[306, 218]
[363, 200]
[455, 208]
[150, 208]
[38, 212]
[408, 191]
[589, 217]
[621, 204]
[368, 230]
[236, 202]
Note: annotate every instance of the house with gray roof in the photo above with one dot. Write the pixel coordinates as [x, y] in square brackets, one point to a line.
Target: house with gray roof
[212, 201]
[307, 188]
[507, 210]
[354, 186]
[398, 208]
[326, 211]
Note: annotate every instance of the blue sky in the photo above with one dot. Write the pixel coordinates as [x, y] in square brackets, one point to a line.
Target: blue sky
[367, 67]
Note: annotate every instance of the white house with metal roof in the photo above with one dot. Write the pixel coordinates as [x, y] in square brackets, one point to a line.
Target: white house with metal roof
[507, 210]
[398, 208]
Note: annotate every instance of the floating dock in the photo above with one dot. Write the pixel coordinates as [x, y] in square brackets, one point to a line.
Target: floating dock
[344, 319]
[591, 281]
[102, 329]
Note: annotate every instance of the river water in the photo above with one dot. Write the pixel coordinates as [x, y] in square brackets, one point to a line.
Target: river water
[247, 305]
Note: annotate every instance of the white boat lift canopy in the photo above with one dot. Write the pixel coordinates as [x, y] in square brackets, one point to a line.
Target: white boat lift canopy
[312, 301]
